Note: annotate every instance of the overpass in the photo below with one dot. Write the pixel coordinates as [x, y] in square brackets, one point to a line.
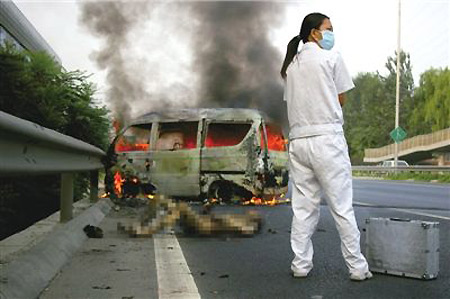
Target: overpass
[414, 149]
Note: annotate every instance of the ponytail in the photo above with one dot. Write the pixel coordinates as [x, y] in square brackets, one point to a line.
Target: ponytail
[292, 49]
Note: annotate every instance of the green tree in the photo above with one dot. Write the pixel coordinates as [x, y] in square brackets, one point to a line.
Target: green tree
[370, 109]
[432, 102]
[36, 88]
[364, 115]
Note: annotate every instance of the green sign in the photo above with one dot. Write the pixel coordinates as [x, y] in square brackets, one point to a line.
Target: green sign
[398, 134]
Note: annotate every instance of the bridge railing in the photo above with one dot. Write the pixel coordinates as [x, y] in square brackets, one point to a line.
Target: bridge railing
[27, 148]
[416, 143]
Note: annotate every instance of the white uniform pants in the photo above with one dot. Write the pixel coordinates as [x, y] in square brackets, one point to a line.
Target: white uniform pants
[321, 163]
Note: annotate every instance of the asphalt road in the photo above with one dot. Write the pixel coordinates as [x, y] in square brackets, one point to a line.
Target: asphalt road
[402, 194]
[258, 267]
[115, 266]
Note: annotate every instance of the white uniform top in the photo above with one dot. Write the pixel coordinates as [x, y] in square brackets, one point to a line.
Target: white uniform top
[315, 77]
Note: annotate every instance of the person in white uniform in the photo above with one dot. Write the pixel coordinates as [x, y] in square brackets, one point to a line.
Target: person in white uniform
[316, 79]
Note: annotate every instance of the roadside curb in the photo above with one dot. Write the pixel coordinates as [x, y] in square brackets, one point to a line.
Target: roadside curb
[28, 275]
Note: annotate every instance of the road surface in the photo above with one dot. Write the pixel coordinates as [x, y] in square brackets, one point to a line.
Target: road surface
[257, 267]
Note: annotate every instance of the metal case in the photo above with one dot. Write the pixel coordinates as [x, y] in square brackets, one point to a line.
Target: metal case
[403, 247]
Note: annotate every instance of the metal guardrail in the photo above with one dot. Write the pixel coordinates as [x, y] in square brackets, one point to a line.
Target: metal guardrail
[418, 143]
[418, 168]
[27, 148]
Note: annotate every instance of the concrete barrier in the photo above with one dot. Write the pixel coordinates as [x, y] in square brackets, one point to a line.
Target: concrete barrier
[29, 274]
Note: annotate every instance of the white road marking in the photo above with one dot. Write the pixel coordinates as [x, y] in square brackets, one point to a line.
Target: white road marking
[364, 204]
[421, 213]
[405, 211]
[174, 277]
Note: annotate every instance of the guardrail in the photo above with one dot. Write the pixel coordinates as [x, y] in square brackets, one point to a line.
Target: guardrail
[27, 148]
[418, 168]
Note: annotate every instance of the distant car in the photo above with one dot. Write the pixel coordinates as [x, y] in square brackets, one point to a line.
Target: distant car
[391, 163]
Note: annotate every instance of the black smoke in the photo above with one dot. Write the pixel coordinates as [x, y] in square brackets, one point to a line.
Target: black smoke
[113, 21]
[235, 58]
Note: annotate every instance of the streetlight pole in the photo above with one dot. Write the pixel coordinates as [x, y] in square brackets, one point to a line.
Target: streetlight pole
[397, 91]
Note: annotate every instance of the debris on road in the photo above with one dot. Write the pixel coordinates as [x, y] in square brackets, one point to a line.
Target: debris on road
[96, 250]
[164, 214]
[93, 231]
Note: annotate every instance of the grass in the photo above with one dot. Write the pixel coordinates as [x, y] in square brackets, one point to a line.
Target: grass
[415, 176]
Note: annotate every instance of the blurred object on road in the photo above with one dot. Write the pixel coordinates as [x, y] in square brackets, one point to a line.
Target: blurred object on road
[93, 231]
[163, 214]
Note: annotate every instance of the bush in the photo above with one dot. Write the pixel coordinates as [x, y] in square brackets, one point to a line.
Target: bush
[416, 176]
[36, 88]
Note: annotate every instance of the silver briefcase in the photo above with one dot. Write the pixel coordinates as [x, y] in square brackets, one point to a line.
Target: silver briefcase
[403, 247]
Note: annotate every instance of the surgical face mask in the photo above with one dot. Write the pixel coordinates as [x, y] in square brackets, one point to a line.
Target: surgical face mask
[327, 41]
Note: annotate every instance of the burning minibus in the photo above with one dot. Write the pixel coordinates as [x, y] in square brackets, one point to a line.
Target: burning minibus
[227, 154]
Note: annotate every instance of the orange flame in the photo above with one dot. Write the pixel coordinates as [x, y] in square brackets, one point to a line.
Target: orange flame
[275, 140]
[121, 146]
[257, 201]
[118, 182]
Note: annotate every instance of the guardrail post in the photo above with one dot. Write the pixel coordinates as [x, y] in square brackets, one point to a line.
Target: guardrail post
[66, 200]
[94, 186]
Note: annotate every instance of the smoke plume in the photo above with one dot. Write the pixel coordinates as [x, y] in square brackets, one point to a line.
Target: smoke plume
[234, 63]
[237, 63]
[113, 21]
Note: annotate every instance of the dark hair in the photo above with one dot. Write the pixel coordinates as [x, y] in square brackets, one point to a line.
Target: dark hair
[310, 22]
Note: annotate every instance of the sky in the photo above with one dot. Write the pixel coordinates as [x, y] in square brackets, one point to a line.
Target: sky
[365, 32]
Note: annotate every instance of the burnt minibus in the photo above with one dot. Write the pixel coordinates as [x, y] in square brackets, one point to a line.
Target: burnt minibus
[222, 153]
